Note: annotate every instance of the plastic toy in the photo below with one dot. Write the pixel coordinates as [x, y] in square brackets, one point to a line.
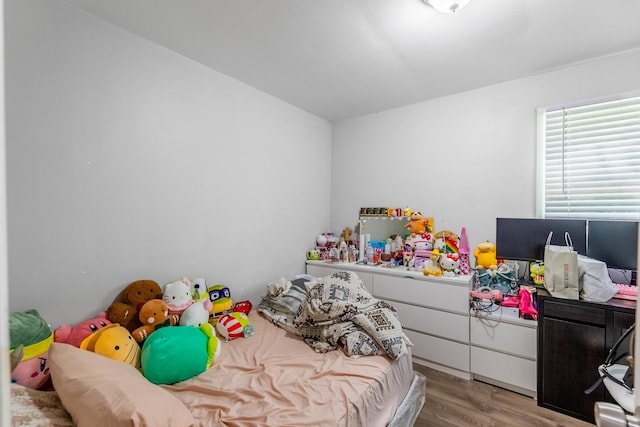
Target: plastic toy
[487, 293]
[485, 254]
[464, 250]
[154, 314]
[115, 342]
[75, 334]
[124, 309]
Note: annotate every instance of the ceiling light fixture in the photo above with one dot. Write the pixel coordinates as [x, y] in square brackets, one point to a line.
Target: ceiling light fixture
[447, 6]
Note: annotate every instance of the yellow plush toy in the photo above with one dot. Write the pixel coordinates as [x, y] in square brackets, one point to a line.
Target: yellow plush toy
[115, 342]
[485, 255]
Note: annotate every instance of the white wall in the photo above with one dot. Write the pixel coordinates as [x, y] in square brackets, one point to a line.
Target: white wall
[127, 161]
[463, 159]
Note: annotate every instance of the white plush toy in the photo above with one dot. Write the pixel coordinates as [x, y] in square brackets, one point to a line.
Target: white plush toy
[199, 289]
[177, 295]
[197, 313]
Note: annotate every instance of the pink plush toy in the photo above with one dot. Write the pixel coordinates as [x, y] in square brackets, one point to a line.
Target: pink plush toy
[75, 334]
[29, 331]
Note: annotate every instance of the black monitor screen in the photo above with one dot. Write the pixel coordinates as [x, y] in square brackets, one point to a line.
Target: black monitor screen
[615, 243]
[524, 238]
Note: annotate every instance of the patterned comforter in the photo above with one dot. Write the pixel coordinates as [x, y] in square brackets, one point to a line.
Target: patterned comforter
[337, 311]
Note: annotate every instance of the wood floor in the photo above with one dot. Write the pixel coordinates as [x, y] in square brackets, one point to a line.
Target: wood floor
[454, 402]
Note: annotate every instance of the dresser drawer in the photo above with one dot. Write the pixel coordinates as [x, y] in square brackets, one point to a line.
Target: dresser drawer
[504, 337]
[434, 322]
[507, 369]
[432, 294]
[438, 350]
[321, 271]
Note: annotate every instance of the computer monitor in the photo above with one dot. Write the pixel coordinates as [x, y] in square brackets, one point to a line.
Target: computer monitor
[523, 239]
[614, 242]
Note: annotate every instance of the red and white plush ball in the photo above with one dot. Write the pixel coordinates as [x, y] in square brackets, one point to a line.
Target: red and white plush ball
[231, 326]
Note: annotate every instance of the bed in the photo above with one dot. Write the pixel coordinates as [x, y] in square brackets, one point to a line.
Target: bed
[273, 378]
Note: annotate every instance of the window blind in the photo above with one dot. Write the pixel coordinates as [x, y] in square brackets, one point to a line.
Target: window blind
[591, 160]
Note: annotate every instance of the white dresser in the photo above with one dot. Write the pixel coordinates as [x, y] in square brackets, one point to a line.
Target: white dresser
[504, 352]
[448, 337]
[434, 311]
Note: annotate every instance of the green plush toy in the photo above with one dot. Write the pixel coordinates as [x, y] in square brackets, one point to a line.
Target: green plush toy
[178, 353]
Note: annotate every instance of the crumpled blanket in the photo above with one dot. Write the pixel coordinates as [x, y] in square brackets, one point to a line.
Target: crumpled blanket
[281, 307]
[340, 312]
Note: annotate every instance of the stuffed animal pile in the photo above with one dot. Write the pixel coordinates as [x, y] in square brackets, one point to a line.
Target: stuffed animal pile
[168, 332]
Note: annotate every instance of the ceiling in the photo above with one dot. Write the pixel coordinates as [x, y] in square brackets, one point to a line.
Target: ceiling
[344, 58]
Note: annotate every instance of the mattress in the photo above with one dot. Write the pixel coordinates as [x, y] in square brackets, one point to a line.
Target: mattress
[275, 379]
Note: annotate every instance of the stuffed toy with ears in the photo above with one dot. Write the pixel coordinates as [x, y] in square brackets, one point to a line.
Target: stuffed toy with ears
[75, 334]
[197, 313]
[154, 314]
[177, 296]
[27, 329]
[124, 309]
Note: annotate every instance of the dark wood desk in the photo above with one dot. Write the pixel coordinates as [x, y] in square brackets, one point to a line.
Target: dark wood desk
[574, 338]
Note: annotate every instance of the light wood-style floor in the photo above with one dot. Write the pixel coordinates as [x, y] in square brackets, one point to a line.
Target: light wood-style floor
[454, 402]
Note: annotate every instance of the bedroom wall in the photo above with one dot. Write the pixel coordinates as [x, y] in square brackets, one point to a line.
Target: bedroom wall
[127, 161]
[463, 159]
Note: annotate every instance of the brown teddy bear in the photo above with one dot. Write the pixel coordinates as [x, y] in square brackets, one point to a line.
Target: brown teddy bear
[124, 309]
[154, 314]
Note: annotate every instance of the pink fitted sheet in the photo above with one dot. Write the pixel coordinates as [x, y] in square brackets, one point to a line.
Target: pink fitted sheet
[275, 379]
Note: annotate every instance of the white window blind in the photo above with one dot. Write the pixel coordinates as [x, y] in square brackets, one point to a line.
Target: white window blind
[591, 156]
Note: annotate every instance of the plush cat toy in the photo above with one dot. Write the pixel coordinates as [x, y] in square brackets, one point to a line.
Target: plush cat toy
[177, 296]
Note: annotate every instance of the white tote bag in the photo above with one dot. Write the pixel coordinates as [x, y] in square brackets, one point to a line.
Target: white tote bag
[561, 269]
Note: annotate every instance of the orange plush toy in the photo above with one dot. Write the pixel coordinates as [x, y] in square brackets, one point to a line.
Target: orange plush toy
[124, 309]
[154, 314]
[418, 224]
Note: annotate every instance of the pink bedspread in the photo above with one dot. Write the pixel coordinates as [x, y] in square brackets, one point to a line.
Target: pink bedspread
[275, 379]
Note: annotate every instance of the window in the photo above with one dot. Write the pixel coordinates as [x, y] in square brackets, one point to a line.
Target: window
[589, 160]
